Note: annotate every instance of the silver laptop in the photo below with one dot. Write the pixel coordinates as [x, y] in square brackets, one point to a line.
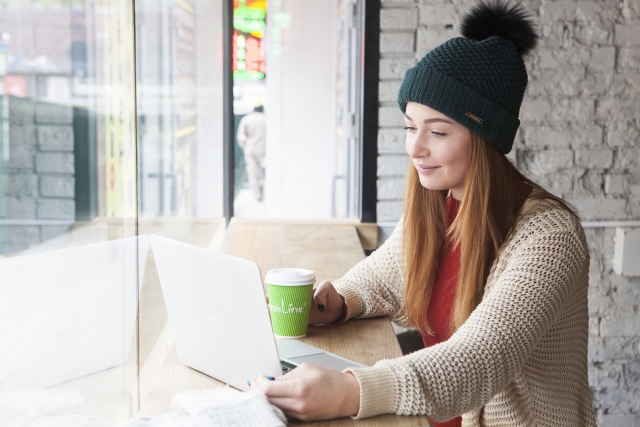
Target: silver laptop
[220, 319]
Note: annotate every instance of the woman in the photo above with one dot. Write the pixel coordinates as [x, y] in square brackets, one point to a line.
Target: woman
[487, 265]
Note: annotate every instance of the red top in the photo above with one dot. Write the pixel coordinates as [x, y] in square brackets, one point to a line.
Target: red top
[444, 290]
[442, 298]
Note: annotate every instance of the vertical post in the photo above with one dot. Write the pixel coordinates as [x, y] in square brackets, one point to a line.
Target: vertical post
[228, 138]
[4, 122]
[86, 164]
[370, 103]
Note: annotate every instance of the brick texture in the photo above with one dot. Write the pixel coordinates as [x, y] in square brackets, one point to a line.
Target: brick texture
[397, 42]
[398, 19]
[37, 181]
[55, 138]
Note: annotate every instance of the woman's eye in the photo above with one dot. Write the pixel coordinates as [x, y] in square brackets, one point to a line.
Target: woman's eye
[439, 134]
[409, 128]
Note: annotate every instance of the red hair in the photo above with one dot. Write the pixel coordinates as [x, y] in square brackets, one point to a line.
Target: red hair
[487, 215]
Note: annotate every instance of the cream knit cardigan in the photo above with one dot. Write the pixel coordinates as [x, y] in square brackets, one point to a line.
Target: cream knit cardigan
[521, 357]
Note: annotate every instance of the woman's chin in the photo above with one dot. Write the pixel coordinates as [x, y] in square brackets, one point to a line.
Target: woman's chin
[431, 185]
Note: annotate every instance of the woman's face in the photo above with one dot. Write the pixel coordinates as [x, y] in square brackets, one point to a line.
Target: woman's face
[439, 148]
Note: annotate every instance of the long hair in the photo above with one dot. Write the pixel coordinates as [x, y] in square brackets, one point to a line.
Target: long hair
[487, 215]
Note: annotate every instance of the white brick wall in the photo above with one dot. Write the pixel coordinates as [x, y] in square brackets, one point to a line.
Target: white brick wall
[393, 166]
[391, 140]
[398, 19]
[579, 137]
[21, 185]
[37, 181]
[53, 113]
[57, 186]
[628, 35]
[394, 68]
[55, 138]
[401, 42]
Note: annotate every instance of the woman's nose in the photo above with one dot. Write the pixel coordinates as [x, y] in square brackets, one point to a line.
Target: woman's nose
[416, 149]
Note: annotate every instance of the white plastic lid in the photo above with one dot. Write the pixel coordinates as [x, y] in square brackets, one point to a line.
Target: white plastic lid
[290, 277]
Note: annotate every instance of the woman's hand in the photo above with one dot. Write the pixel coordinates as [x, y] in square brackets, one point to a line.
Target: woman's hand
[312, 392]
[329, 304]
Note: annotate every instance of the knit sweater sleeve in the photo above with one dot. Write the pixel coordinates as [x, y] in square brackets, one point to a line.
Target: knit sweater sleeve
[547, 259]
[375, 286]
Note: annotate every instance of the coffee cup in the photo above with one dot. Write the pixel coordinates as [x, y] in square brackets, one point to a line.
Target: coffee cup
[290, 291]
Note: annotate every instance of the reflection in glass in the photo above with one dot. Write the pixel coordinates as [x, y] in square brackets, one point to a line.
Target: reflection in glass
[66, 318]
[179, 123]
[68, 178]
[179, 95]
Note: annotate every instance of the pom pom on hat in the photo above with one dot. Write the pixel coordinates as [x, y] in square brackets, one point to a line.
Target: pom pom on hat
[499, 18]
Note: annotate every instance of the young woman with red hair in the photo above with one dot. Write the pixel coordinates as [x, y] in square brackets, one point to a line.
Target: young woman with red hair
[491, 268]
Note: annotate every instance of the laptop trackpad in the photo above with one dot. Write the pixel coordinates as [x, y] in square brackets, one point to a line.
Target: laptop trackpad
[324, 359]
[294, 348]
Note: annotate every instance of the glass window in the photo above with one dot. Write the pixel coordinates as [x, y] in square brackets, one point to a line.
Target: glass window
[179, 93]
[68, 204]
[105, 134]
[179, 115]
[297, 104]
[112, 130]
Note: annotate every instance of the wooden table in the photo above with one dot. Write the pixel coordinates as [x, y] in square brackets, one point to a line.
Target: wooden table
[145, 384]
[328, 249]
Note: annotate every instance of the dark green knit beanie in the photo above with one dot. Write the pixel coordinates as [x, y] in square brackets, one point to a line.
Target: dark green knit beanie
[479, 79]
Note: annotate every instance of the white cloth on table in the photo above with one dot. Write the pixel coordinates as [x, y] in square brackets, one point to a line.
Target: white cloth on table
[40, 408]
[207, 408]
[224, 407]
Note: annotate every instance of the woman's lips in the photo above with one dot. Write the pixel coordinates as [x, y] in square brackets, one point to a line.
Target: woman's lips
[426, 169]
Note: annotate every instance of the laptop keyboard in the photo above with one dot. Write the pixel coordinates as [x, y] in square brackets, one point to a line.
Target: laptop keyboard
[286, 367]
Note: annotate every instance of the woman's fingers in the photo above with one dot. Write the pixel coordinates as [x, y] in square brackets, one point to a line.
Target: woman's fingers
[326, 308]
[333, 300]
[321, 294]
[285, 392]
[279, 387]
